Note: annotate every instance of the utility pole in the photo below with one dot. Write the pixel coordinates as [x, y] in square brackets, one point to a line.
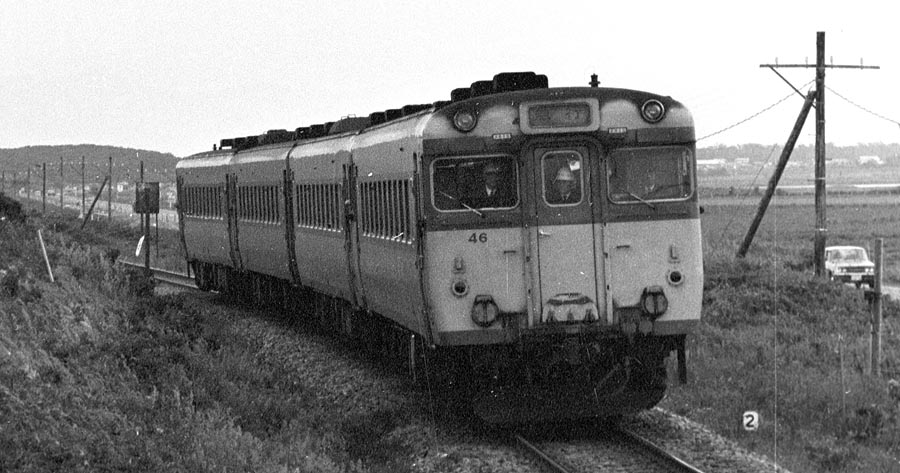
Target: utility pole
[82, 185]
[109, 202]
[62, 185]
[44, 189]
[821, 222]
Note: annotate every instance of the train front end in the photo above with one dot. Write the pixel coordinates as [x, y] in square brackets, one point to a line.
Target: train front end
[562, 252]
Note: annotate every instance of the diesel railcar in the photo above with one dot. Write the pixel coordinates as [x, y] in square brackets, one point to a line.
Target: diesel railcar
[539, 245]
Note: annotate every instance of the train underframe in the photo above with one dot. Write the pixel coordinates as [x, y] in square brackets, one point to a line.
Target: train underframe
[536, 379]
[567, 377]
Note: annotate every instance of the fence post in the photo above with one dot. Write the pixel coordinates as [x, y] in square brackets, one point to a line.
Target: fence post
[875, 354]
[44, 189]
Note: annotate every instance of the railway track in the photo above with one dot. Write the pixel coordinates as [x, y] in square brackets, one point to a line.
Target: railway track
[574, 458]
[167, 277]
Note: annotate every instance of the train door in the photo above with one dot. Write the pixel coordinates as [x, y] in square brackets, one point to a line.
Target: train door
[231, 207]
[351, 234]
[565, 274]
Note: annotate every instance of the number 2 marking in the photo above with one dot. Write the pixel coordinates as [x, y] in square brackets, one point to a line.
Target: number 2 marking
[751, 420]
[478, 238]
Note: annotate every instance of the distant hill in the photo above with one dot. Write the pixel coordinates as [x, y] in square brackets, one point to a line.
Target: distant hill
[126, 161]
[160, 166]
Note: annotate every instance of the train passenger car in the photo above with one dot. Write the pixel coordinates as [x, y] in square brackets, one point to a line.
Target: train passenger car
[540, 244]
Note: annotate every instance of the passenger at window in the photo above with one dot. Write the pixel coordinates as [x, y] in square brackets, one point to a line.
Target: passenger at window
[566, 189]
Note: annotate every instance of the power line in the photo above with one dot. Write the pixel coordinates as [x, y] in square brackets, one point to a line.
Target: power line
[861, 107]
[752, 116]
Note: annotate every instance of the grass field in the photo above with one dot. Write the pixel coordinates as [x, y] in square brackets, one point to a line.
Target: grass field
[787, 232]
[790, 346]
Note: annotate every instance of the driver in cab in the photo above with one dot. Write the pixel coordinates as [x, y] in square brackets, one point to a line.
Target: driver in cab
[493, 190]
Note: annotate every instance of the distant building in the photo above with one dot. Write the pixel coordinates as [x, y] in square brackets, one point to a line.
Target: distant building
[870, 160]
[710, 163]
[838, 162]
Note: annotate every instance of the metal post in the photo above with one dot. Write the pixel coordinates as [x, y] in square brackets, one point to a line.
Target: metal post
[821, 225]
[145, 222]
[28, 184]
[875, 354]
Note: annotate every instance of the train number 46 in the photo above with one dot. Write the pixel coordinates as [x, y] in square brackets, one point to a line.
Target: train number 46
[478, 238]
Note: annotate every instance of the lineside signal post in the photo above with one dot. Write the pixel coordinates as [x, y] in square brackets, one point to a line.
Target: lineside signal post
[821, 226]
[146, 202]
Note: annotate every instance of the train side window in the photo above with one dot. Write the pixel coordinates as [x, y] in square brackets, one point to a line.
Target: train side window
[270, 204]
[257, 203]
[321, 206]
[363, 207]
[637, 175]
[471, 183]
[265, 204]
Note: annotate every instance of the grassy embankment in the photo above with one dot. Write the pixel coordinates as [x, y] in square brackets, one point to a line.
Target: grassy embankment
[794, 348]
[98, 374]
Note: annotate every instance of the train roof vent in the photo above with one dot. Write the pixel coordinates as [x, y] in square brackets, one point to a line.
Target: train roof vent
[226, 143]
[275, 136]
[461, 93]
[482, 87]
[512, 81]
[377, 118]
[349, 124]
[317, 130]
[393, 114]
[411, 109]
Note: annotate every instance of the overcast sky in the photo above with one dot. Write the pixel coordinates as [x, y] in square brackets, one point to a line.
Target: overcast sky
[178, 76]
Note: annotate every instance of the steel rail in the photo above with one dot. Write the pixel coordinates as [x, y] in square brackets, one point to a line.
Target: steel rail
[669, 458]
[540, 454]
[164, 276]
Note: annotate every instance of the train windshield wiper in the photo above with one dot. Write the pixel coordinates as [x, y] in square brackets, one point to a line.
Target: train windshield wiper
[637, 197]
[474, 210]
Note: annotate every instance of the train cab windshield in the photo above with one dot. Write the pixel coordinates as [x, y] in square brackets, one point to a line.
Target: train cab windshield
[562, 179]
[642, 175]
[474, 183]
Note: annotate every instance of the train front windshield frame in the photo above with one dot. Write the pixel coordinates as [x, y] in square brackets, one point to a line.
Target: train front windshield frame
[459, 184]
[640, 175]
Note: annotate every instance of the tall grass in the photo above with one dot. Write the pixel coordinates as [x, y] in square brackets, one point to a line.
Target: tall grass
[98, 374]
[793, 347]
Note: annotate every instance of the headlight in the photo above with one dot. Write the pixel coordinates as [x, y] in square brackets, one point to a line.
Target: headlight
[654, 302]
[465, 120]
[484, 311]
[653, 111]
